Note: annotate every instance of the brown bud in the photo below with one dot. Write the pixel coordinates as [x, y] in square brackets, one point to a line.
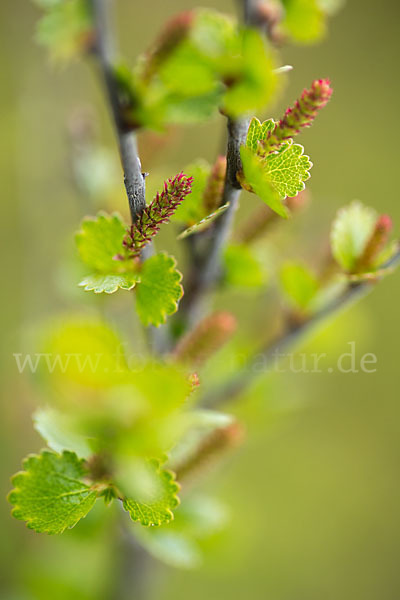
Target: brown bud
[206, 339]
[215, 186]
[211, 448]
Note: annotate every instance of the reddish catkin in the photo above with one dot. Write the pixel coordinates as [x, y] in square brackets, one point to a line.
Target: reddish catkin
[376, 242]
[157, 212]
[301, 114]
[206, 339]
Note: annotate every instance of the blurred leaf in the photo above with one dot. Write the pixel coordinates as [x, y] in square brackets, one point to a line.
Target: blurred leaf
[351, 230]
[50, 494]
[304, 20]
[299, 283]
[215, 65]
[171, 547]
[201, 516]
[242, 268]
[177, 544]
[84, 351]
[59, 432]
[198, 426]
[155, 507]
[65, 28]
[159, 291]
[203, 224]
[255, 82]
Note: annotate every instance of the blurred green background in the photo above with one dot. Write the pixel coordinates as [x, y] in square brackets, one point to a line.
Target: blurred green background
[314, 492]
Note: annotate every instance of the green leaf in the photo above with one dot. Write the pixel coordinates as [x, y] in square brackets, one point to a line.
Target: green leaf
[351, 230]
[214, 65]
[299, 283]
[192, 209]
[203, 224]
[277, 175]
[304, 20]
[255, 80]
[58, 431]
[50, 494]
[242, 268]
[256, 176]
[174, 548]
[159, 291]
[100, 240]
[258, 132]
[156, 507]
[288, 169]
[65, 28]
[109, 283]
[100, 247]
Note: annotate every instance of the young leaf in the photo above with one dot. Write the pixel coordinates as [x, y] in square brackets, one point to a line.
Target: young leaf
[256, 178]
[159, 291]
[155, 509]
[242, 268]
[109, 283]
[100, 245]
[351, 230]
[288, 169]
[58, 431]
[299, 283]
[258, 132]
[50, 494]
[99, 242]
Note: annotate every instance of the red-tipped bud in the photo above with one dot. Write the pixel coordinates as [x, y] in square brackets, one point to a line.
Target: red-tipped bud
[301, 114]
[376, 242]
[206, 339]
[215, 186]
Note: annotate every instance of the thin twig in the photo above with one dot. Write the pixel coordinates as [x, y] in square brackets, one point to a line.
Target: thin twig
[104, 48]
[269, 354]
[132, 578]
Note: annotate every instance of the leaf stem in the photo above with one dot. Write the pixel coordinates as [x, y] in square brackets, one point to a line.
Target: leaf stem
[269, 354]
[104, 49]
